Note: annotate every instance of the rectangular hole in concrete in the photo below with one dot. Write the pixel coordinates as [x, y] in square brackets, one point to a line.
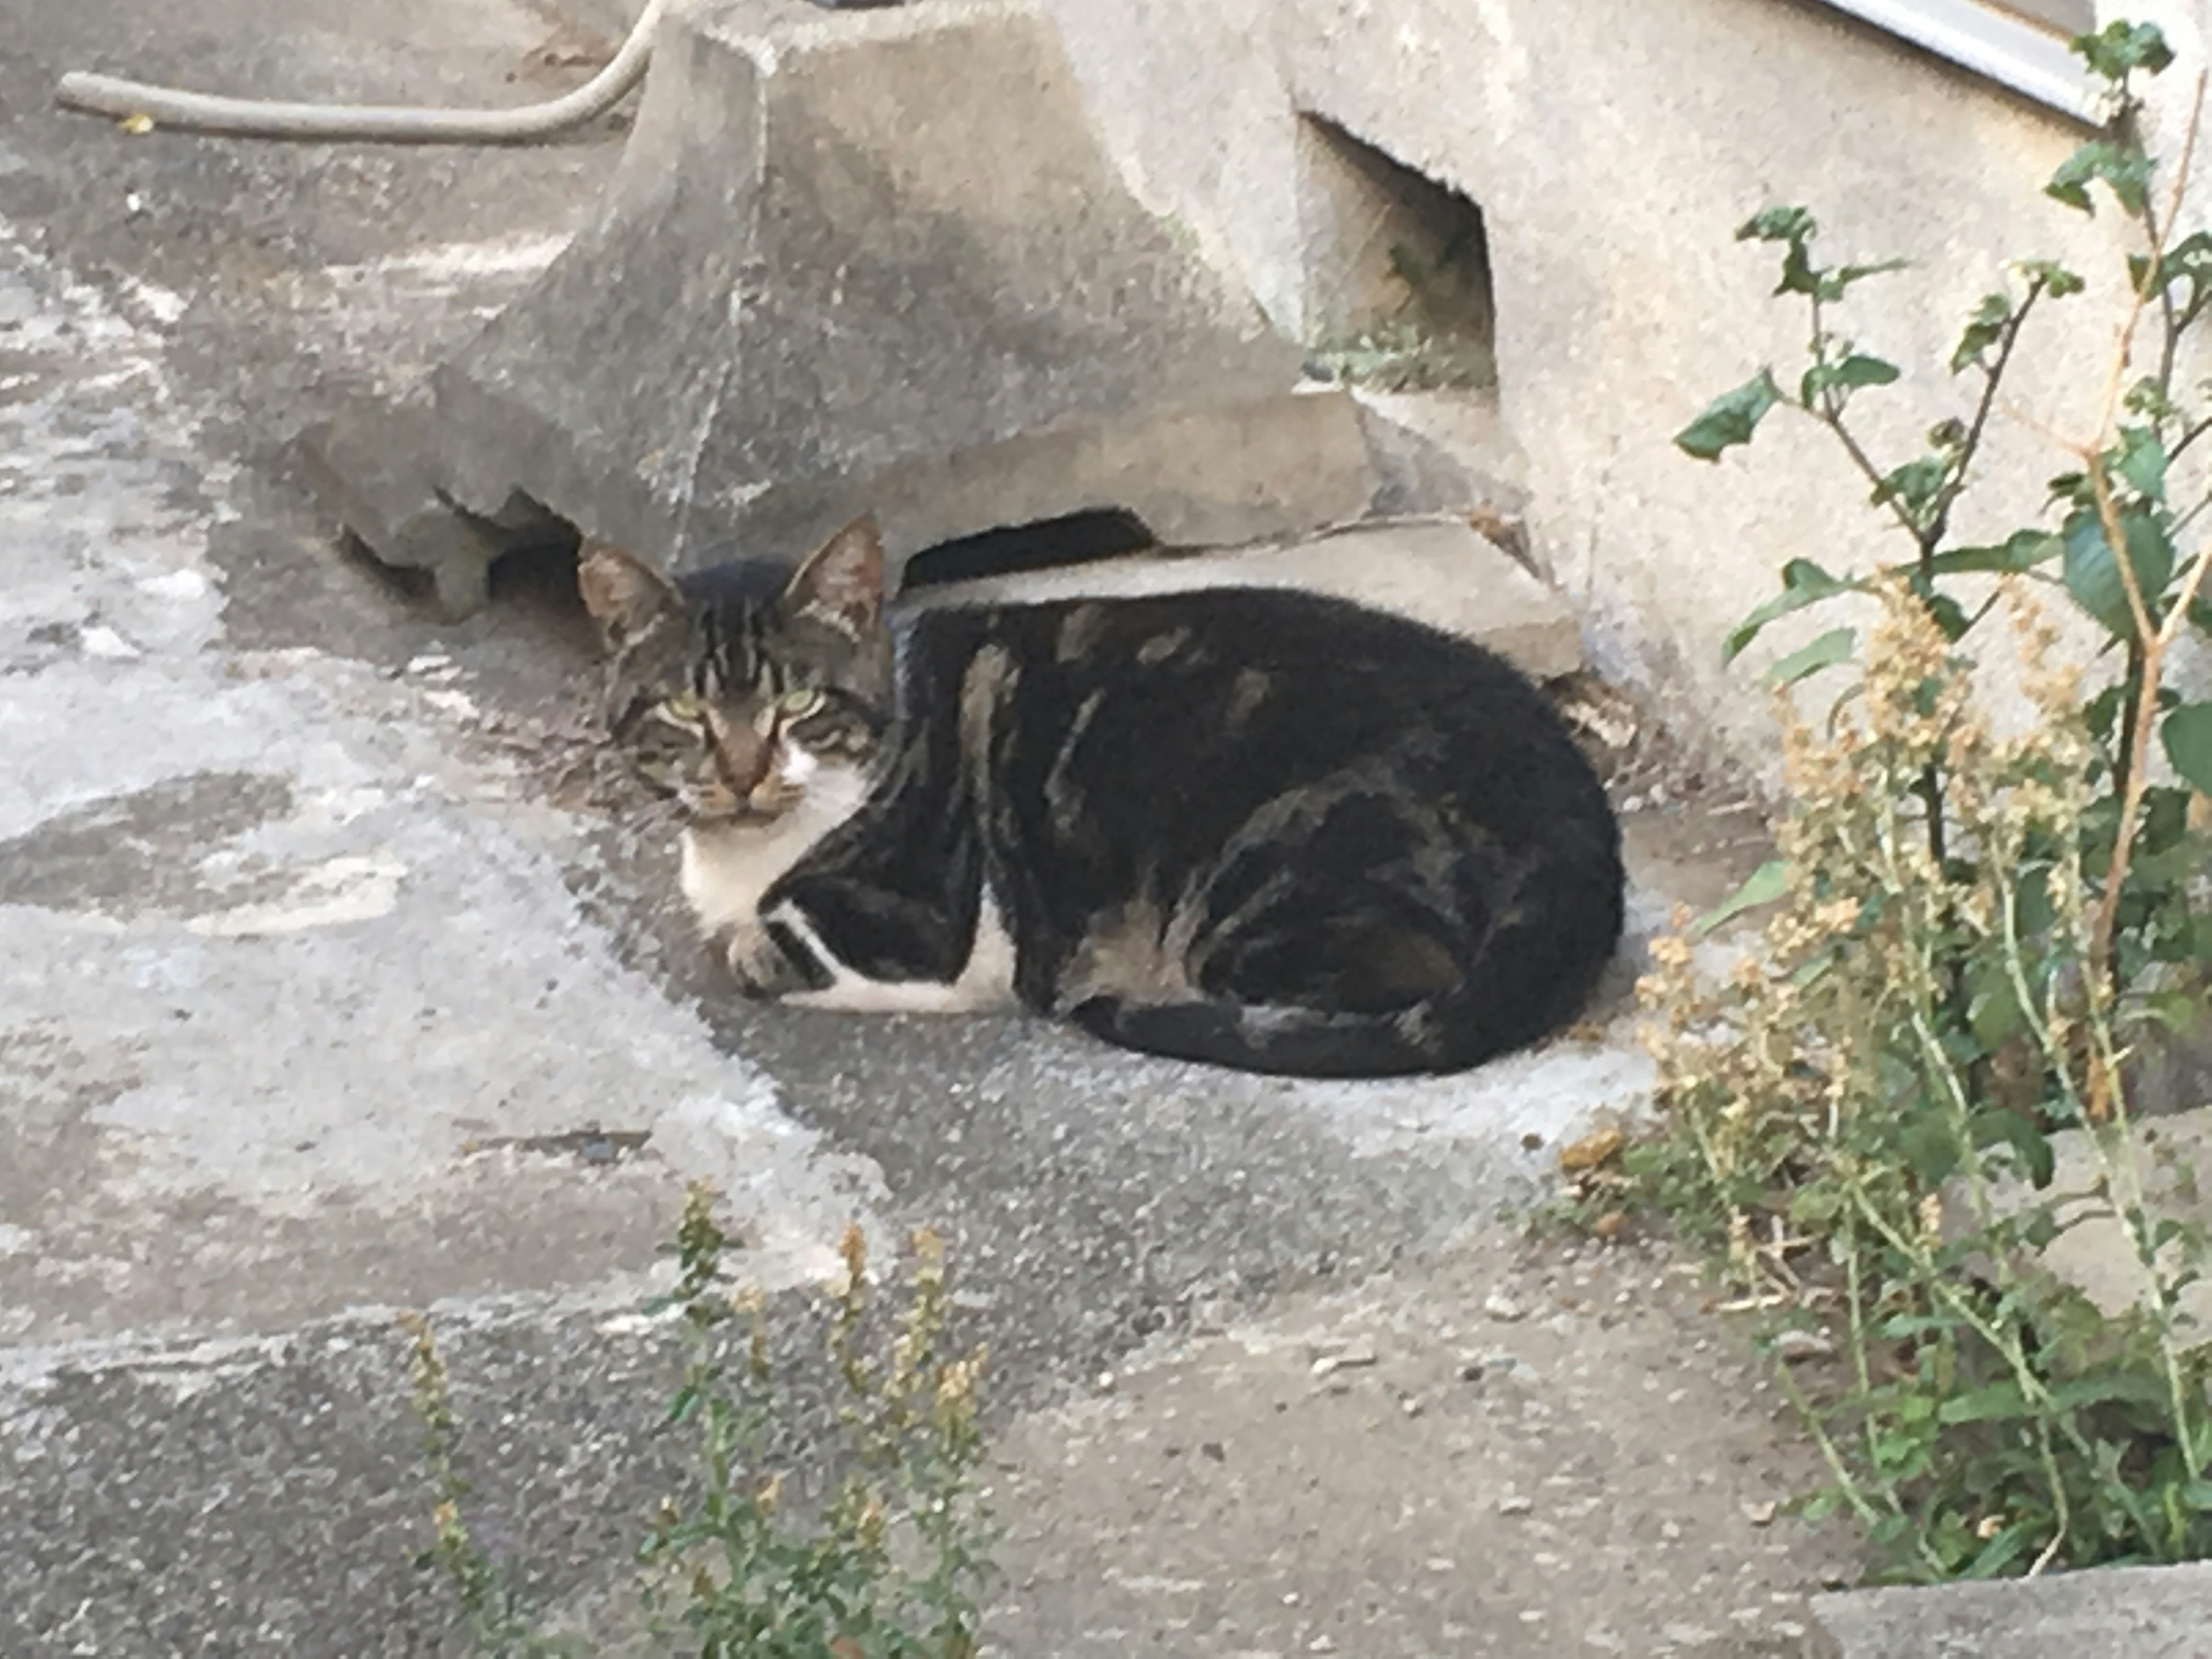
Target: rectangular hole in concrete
[1397, 271]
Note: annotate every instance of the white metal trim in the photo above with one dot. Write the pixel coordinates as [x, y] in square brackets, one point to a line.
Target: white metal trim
[2002, 46]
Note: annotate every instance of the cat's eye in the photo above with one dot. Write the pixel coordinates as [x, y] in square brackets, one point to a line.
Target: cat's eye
[684, 707]
[798, 705]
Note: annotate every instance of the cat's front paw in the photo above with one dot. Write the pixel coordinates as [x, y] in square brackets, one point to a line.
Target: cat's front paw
[762, 968]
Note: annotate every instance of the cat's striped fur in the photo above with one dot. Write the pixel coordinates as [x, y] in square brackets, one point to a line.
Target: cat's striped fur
[1256, 828]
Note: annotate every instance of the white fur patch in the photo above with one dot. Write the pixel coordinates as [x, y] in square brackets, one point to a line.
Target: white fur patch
[986, 982]
[728, 867]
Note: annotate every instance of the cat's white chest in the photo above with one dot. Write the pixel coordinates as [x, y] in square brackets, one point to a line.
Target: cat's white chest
[727, 868]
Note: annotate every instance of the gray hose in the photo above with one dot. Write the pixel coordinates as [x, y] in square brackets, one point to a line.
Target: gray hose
[253, 118]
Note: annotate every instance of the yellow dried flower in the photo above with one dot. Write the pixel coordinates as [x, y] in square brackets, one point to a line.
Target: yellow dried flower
[1931, 1219]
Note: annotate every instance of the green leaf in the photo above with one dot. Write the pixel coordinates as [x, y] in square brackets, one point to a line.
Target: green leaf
[2023, 550]
[2034, 909]
[1985, 328]
[1780, 223]
[2120, 48]
[2094, 577]
[2055, 279]
[1914, 485]
[1731, 418]
[1999, 1402]
[1763, 886]
[1833, 284]
[1853, 371]
[1930, 1148]
[2141, 461]
[1795, 227]
[2103, 1388]
[1803, 583]
[2004, 1547]
[2001, 1127]
[2146, 398]
[1993, 1009]
[2189, 260]
[1947, 613]
[2125, 170]
[1860, 370]
[2187, 735]
[1830, 649]
[686, 1404]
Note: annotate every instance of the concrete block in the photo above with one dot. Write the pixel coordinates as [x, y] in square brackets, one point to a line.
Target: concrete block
[369, 467]
[1441, 451]
[2092, 1254]
[843, 247]
[1437, 571]
[2112, 1613]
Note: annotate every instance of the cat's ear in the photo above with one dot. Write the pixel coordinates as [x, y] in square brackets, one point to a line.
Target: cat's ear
[842, 583]
[625, 596]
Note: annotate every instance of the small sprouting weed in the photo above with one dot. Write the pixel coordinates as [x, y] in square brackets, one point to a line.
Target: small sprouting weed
[893, 1562]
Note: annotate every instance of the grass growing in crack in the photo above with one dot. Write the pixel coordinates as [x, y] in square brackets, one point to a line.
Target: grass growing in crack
[1396, 356]
[889, 1567]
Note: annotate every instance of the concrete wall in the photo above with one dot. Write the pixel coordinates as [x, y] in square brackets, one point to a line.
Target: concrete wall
[1613, 146]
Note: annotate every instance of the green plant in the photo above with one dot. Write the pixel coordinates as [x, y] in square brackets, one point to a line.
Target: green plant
[494, 1616]
[1970, 937]
[1855, 1152]
[2122, 518]
[889, 1567]
[1397, 355]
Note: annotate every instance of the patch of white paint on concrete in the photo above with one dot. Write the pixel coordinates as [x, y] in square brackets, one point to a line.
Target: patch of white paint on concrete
[331, 808]
[451, 262]
[164, 306]
[179, 587]
[420, 976]
[104, 642]
[334, 894]
[446, 701]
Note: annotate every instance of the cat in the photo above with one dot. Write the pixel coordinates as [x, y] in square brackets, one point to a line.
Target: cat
[1256, 828]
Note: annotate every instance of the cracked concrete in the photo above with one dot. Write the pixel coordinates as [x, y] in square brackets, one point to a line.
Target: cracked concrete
[321, 997]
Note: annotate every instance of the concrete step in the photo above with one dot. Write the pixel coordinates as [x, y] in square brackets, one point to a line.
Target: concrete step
[2112, 1613]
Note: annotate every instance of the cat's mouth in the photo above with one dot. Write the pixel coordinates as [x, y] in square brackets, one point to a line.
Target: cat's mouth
[717, 804]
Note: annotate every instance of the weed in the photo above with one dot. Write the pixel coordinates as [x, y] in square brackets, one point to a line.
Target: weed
[889, 1567]
[1968, 939]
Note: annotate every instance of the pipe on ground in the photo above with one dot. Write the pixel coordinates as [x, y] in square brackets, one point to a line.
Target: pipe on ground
[255, 118]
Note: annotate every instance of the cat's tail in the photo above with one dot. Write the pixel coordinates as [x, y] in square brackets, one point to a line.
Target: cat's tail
[1288, 1042]
[1445, 1035]
[1517, 985]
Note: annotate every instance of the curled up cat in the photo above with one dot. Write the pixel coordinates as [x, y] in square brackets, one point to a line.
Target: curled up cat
[1256, 828]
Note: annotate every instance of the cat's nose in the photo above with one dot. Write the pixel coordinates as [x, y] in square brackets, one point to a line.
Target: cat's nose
[741, 754]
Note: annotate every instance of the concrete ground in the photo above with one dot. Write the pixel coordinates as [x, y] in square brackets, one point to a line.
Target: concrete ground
[318, 982]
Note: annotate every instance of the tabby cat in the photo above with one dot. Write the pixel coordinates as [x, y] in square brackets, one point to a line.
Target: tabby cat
[1263, 829]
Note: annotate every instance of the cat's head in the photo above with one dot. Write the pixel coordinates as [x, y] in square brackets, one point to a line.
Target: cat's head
[734, 690]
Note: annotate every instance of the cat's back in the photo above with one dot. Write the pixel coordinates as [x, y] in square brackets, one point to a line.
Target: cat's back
[1311, 660]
